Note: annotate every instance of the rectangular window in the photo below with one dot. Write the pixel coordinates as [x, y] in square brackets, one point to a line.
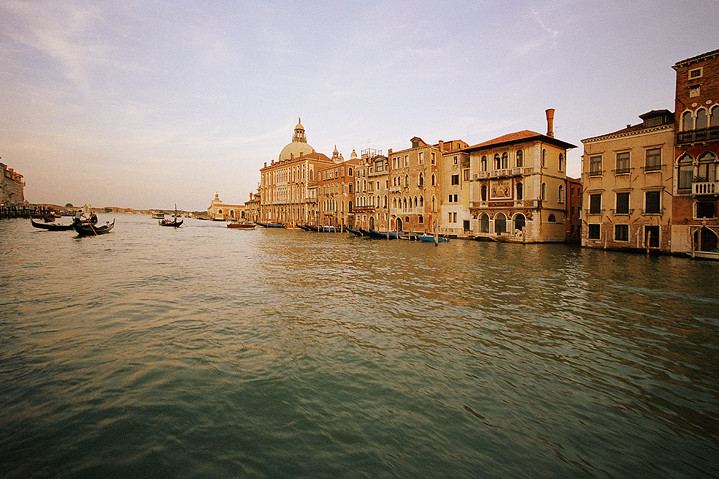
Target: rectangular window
[622, 163]
[706, 209]
[594, 231]
[434, 158]
[455, 198]
[621, 232]
[449, 217]
[421, 158]
[466, 175]
[595, 204]
[653, 203]
[622, 204]
[454, 217]
[455, 160]
[406, 160]
[455, 179]
[654, 159]
[450, 199]
[695, 73]
[595, 165]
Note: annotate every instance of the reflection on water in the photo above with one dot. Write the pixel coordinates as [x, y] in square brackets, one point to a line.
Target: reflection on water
[209, 352]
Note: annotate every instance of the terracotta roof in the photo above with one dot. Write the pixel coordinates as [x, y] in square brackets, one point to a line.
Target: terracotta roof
[519, 137]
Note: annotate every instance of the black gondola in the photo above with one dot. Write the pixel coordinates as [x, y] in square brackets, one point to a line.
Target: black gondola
[84, 229]
[354, 232]
[51, 226]
[172, 222]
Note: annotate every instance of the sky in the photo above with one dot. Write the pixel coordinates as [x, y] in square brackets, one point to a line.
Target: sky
[150, 104]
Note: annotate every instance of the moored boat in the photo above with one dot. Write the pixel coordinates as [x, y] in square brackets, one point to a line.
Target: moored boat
[51, 226]
[430, 239]
[354, 232]
[242, 225]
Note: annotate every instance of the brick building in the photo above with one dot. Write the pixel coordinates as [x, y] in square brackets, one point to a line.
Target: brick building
[695, 220]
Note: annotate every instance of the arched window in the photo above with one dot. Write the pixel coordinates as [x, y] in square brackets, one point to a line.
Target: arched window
[714, 116]
[702, 119]
[434, 204]
[484, 223]
[687, 121]
[561, 161]
[483, 163]
[519, 222]
[544, 158]
[434, 180]
[520, 158]
[520, 191]
[497, 161]
[484, 192]
[551, 218]
[350, 206]
[686, 172]
[394, 203]
[500, 224]
[406, 181]
[349, 187]
[544, 192]
[561, 193]
[415, 202]
[421, 179]
[421, 201]
[505, 160]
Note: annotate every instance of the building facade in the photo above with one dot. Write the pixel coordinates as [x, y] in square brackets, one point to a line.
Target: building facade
[11, 187]
[414, 185]
[371, 209]
[288, 186]
[455, 218]
[573, 230]
[518, 190]
[335, 191]
[220, 211]
[628, 182]
[695, 219]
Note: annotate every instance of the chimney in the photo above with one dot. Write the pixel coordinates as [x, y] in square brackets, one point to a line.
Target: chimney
[550, 122]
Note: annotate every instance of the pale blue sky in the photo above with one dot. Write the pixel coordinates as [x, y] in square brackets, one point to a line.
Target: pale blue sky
[147, 104]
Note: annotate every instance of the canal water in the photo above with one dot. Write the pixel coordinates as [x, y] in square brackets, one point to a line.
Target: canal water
[210, 352]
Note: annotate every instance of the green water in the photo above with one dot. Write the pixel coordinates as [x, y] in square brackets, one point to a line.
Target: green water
[211, 352]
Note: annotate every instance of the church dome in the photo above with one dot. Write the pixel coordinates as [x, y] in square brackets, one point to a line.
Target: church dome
[298, 146]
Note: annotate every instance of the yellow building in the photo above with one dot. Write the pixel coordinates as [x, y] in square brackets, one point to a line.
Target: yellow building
[454, 186]
[288, 186]
[518, 189]
[628, 180]
[371, 207]
[414, 194]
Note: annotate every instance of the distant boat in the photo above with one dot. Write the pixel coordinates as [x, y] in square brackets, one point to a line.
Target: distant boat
[242, 225]
[51, 226]
[86, 229]
[158, 215]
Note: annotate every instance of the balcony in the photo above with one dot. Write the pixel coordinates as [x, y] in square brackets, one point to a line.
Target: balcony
[695, 136]
[705, 188]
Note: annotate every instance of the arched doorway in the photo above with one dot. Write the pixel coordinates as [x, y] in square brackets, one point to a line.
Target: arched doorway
[484, 223]
[500, 224]
[371, 222]
[519, 222]
[399, 224]
[705, 239]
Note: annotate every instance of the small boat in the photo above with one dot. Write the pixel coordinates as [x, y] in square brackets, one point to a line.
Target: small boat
[430, 239]
[173, 222]
[329, 229]
[87, 229]
[354, 232]
[157, 215]
[377, 234]
[51, 226]
[303, 227]
[242, 225]
[291, 226]
[711, 255]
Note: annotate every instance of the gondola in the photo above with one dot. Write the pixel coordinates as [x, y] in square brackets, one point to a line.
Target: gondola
[84, 229]
[173, 222]
[354, 232]
[51, 226]
[430, 239]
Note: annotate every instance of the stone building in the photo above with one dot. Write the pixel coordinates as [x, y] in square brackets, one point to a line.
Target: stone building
[455, 218]
[414, 185]
[518, 186]
[220, 211]
[252, 208]
[371, 207]
[627, 178]
[335, 191]
[11, 187]
[695, 220]
[288, 186]
[573, 229]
